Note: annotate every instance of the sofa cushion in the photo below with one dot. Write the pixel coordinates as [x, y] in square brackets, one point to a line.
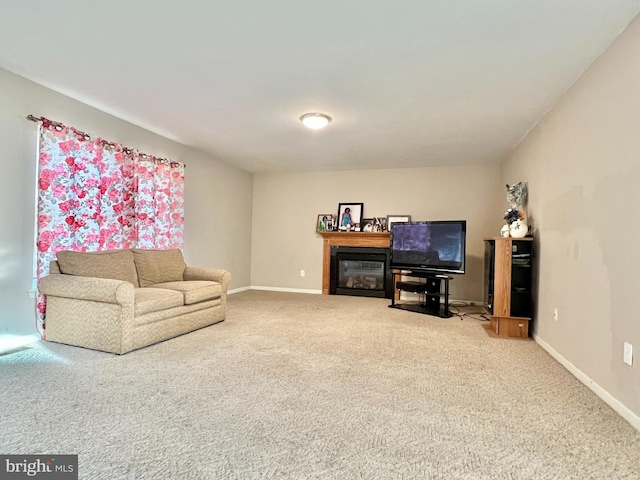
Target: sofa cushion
[194, 291]
[177, 318]
[158, 266]
[151, 299]
[114, 264]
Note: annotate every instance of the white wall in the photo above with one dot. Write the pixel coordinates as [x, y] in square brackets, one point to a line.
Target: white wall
[285, 208]
[583, 166]
[218, 198]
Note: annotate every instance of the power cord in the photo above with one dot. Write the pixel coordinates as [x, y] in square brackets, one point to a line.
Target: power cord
[482, 316]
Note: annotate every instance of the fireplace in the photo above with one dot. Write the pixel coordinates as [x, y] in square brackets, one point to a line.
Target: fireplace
[360, 271]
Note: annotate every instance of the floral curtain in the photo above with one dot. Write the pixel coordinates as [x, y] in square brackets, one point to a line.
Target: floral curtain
[160, 202]
[95, 195]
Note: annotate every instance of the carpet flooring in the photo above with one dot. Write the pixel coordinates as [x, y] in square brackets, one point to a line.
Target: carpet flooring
[295, 386]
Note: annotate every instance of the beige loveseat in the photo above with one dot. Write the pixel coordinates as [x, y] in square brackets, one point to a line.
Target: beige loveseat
[120, 300]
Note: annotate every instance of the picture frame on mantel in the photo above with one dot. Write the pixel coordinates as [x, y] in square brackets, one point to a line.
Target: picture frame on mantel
[391, 219]
[379, 224]
[325, 222]
[367, 225]
[349, 216]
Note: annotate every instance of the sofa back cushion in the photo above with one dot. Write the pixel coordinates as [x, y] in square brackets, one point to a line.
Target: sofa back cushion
[158, 266]
[54, 267]
[114, 264]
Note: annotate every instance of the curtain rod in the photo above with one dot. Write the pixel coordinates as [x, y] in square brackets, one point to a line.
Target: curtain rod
[33, 118]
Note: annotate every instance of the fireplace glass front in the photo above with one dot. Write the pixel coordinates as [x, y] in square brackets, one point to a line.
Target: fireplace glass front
[360, 271]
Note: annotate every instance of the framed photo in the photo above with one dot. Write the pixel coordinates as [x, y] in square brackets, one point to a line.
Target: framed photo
[379, 224]
[391, 219]
[325, 222]
[349, 216]
[367, 225]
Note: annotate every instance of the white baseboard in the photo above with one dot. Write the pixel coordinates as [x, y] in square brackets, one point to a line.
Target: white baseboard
[609, 399]
[11, 343]
[238, 290]
[290, 290]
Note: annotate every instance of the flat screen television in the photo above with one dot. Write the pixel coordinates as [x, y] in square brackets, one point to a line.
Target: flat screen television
[430, 247]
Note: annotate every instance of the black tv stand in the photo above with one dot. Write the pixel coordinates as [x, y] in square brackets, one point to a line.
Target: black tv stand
[434, 287]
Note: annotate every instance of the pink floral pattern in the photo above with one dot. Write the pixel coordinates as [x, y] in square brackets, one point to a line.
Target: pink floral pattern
[95, 195]
[160, 203]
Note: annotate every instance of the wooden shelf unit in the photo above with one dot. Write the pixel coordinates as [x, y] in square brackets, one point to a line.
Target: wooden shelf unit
[508, 282]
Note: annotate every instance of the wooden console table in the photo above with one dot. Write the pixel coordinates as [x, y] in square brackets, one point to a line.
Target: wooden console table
[347, 239]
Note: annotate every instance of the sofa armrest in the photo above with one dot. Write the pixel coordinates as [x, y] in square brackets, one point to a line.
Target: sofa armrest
[93, 289]
[211, 274]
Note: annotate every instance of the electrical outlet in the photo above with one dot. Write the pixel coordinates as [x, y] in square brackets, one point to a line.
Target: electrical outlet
[302, 273]
[627, 356]
[555, 314]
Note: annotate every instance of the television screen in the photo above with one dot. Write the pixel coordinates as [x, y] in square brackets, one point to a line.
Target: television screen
[437, 246]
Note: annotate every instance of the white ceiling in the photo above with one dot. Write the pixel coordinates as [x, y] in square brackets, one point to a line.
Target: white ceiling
[408, 82]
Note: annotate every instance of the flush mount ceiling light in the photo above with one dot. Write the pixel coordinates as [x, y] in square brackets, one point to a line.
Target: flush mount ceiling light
[315, 121]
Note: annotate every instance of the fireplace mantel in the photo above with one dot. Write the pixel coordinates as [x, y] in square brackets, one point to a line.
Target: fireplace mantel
[347, 239]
